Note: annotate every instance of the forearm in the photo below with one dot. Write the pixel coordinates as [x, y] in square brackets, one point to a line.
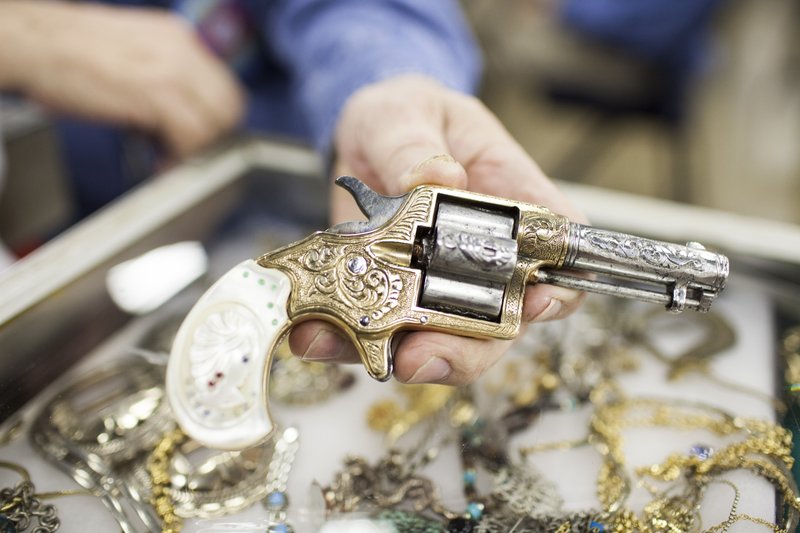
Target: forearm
[27, 33]
[135, 67]
[335, 48]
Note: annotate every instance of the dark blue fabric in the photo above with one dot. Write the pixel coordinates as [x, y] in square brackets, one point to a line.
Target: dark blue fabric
[93, 157]
[667, 31]
[314, 54]
[667, 37]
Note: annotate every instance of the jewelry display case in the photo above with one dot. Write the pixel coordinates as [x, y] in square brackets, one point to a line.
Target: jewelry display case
[621, 416]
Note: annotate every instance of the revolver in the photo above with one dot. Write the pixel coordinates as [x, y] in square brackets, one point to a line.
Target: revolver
[435, 258]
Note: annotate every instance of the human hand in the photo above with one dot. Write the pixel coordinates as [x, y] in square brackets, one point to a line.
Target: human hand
[136, 67]
[407, 131]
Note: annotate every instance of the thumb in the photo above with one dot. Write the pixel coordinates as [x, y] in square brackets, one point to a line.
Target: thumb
[414, 154]
[438, 169]
[397, 141]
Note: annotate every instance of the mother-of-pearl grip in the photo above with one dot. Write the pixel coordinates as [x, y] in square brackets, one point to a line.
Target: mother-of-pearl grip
[217, 374]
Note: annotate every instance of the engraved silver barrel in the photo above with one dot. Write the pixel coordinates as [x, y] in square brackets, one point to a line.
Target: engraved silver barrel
[686, 277]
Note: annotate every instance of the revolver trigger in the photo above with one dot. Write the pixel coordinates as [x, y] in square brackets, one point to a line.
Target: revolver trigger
[378, 208]
[376, 355]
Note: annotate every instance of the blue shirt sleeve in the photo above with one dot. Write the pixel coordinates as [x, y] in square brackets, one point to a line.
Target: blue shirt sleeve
[333, 47]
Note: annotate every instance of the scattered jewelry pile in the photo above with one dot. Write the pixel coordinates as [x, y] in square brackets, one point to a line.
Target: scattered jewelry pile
[113, 433]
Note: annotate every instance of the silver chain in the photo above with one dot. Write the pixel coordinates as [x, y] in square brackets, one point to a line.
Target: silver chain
[21, 506]
[277, 501]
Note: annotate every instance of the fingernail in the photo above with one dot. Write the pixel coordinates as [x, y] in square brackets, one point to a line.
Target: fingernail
[550, 312]
[441, 169]
[434, 370]
[439, 158]
[325, 345]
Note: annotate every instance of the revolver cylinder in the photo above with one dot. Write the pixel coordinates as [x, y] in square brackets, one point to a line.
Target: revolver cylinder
[469, 258]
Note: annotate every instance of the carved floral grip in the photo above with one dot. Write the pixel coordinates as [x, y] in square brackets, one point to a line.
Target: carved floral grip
[220, 358]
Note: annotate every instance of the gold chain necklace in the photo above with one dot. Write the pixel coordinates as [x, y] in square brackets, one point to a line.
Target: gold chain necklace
[765, 450]
[158, 468]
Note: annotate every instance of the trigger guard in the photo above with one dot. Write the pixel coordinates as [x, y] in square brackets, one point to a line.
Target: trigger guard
[219, 364]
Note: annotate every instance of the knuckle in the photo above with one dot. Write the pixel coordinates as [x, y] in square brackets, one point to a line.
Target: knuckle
[469, 102]
[233, 110]
[468, 369]
[162, 75]
[412, 142]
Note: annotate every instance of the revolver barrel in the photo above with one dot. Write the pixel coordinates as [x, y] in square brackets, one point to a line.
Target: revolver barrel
[678, 277]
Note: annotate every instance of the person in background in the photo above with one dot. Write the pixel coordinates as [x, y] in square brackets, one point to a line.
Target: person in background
[383, 87]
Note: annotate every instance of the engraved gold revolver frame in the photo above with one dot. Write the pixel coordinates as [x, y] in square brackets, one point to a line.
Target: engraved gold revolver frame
[366, 283]
[436, 259]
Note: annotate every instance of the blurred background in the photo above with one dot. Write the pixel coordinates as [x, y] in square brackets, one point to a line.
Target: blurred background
[696, 101]
[689, 100]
